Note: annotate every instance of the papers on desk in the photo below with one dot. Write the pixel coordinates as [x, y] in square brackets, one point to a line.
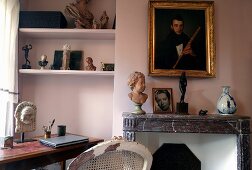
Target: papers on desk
[60, 141]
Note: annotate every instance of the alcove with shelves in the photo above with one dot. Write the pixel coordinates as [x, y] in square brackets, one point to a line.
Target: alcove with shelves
[31, 34]
[70, 96]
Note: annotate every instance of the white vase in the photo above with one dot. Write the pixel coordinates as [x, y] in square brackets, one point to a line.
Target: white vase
[226, 104]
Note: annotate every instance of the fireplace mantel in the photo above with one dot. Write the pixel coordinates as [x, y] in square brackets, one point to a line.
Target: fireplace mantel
[210, 124]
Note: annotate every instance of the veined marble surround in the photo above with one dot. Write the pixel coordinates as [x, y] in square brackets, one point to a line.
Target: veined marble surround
[209, 124]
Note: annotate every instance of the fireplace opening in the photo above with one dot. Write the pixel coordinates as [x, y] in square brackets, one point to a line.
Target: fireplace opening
[175, 157]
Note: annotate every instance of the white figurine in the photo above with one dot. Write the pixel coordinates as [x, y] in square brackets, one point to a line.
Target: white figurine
[66, 57]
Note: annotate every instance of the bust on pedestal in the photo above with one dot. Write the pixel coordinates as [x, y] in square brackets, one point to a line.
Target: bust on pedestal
[136, 82]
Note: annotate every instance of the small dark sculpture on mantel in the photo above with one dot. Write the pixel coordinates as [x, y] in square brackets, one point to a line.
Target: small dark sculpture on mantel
[182, 107]
[26, 49]
[182, 86]
[203, 112]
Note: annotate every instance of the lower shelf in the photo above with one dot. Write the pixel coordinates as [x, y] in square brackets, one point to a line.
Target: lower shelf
[65, 72]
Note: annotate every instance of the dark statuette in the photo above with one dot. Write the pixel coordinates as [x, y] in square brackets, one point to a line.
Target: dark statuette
[203, 112]
[182, 106]
[182, 86]
[26, 49]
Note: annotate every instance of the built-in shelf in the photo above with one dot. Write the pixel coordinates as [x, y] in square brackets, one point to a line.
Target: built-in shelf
[65, 33]
[65, 72]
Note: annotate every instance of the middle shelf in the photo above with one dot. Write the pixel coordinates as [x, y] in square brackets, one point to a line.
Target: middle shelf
[51, 33]
[65, 72]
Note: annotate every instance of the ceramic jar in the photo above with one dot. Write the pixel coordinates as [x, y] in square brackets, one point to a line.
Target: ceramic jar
[226, 104]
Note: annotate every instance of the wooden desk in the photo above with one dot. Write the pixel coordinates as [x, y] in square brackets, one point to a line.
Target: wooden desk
[30, 155]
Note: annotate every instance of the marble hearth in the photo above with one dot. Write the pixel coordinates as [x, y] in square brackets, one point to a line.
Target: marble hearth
[210, 124]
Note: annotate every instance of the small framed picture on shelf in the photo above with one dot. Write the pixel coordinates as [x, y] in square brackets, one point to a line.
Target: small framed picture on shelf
[108, 67]
[76, 60]
[162, 100]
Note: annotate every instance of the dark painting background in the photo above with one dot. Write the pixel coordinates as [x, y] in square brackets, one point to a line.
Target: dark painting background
[192, 20]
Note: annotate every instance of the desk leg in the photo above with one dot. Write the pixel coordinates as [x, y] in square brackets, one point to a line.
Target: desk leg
[63, 165]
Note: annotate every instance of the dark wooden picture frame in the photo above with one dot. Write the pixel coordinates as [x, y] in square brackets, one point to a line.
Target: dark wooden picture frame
[165, 45]
[162, 100]
[108, 67]
[76, 60]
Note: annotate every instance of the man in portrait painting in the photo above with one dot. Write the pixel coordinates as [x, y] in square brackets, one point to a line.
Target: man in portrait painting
[178, 50]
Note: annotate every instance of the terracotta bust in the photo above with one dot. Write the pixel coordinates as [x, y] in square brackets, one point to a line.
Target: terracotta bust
[90, 66]
[25, 115]
[136, 82]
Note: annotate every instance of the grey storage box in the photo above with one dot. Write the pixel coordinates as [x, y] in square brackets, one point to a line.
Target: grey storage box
[42, 19]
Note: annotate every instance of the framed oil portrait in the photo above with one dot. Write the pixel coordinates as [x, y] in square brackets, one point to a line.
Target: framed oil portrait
[162, 100]
[181, 38]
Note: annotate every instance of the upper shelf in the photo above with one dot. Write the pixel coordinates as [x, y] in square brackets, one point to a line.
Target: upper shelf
[65, 72]
[51, 33]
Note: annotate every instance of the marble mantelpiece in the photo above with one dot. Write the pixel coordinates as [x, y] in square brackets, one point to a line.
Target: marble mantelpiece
[210, 124]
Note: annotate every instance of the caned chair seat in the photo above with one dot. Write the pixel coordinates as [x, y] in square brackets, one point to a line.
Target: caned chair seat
[114, 155]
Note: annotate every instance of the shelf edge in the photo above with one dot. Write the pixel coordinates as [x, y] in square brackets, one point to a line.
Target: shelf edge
[65, 72]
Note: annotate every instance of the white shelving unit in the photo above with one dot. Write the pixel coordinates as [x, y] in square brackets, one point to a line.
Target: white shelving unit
[66, 72]
[80, 99]
[50, 33]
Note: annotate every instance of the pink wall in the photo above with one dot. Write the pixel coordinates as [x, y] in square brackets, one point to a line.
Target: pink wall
[82, 103]
[233, 59]
[233, 67]
[85, 103]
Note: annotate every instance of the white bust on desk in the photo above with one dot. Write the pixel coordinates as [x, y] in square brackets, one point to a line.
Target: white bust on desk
[25, 115]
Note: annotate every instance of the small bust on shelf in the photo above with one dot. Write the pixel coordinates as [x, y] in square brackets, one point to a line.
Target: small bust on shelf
[90, 66]
[42, 63]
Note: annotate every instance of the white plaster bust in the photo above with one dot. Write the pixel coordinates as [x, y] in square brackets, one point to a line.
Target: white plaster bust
[25, 115]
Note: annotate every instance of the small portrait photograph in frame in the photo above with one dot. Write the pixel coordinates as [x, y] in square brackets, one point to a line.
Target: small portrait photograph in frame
[162, 100]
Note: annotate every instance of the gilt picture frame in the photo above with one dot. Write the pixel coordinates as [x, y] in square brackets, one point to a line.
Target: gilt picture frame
[190, 49]
[162, 100]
